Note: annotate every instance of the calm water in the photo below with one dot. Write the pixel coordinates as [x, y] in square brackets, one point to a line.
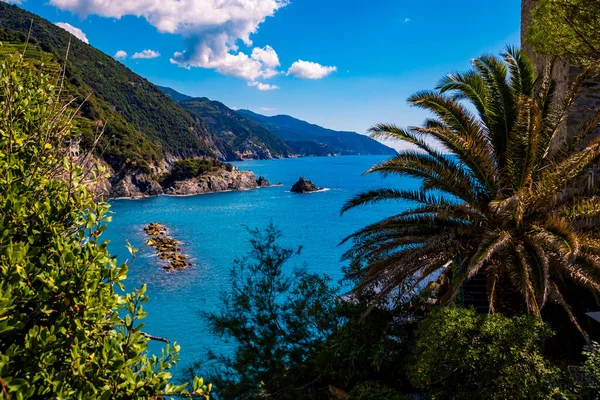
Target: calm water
[211, 228]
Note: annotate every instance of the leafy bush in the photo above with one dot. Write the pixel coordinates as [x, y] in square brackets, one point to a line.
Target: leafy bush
[591, 371]
[372, 390]
[463, 355]
[65, 332]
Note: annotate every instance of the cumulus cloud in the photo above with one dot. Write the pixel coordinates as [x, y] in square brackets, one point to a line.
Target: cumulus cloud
[406, 20]
[146, 54]
[210, 29]
[239, 65]
[120, 55]
[263, 86]
[310, 70]
[267, 56]
[78, 33]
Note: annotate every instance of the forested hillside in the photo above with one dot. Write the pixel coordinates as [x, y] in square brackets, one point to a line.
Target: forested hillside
[235, 134]
[142, 124]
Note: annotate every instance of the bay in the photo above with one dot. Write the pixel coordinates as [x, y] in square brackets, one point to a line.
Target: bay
[212, 230]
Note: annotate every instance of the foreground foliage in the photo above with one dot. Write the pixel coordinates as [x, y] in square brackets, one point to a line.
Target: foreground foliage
[569, 29]
[276, 316]
[65, 332]
[463, 355]
[508, 201]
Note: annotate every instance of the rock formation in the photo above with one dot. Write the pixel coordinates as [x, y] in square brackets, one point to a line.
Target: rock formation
[218, 181]
[305, 186]
[167, 248]
[262, 182]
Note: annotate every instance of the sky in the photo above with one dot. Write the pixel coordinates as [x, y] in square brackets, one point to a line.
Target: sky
[342, 64]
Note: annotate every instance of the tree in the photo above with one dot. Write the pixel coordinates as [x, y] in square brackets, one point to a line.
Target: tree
[463, 355]
[501, 191]
[65, 332]
[371, 345]
[276, 321]
[568, 29]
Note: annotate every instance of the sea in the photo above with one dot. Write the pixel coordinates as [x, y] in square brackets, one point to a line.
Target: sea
[213, 231]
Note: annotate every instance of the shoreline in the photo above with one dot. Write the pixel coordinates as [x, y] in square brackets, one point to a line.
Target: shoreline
[190, 195]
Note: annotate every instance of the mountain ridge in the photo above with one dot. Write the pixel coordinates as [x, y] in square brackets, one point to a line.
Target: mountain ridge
[303, 138]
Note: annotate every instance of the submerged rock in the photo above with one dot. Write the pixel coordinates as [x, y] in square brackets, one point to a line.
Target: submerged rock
[305, 186]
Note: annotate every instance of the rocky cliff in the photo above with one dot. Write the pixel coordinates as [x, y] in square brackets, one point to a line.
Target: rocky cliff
[135, 184]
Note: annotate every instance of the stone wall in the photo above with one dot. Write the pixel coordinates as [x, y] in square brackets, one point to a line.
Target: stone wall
[564, 75]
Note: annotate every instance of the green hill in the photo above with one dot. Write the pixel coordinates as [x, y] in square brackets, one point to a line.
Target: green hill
[141, 123]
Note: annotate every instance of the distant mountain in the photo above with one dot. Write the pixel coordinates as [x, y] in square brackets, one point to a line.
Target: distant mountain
[309, 139]
[235, 135]
[298, 137]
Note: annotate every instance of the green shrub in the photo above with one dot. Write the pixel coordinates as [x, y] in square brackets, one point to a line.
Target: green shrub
[591, 371]
[463, 355]
[192, 168]
[65, 332]
[372, 390]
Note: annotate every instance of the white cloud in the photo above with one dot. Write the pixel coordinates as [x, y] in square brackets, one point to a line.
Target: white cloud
[146, 54]
[12, 1]
[239, 65]
[210, 28]
[268, 109]
[78, 33]
[406, 20]
[310, 70]
[120, 55]
[263, 86]
[267, 56]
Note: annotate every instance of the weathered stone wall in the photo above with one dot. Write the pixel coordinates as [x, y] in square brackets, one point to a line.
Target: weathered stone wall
[564, 75]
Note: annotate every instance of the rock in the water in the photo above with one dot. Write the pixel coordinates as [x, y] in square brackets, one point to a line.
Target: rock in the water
[167, 249]
[305, 186]
[262, 182]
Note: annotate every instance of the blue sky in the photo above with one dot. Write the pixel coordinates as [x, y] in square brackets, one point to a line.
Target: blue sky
[383, 50]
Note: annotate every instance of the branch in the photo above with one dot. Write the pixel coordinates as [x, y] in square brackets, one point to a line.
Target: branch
[157, 338]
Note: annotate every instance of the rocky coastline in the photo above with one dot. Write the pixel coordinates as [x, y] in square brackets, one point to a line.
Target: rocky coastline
[136, 184]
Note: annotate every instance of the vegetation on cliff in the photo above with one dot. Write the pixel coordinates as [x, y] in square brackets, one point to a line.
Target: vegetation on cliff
[569, 29]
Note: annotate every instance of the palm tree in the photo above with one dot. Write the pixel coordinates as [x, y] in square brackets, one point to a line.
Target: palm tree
[501, 190]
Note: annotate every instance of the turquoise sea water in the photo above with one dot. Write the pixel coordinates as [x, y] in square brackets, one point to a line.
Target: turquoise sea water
[211, 228]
